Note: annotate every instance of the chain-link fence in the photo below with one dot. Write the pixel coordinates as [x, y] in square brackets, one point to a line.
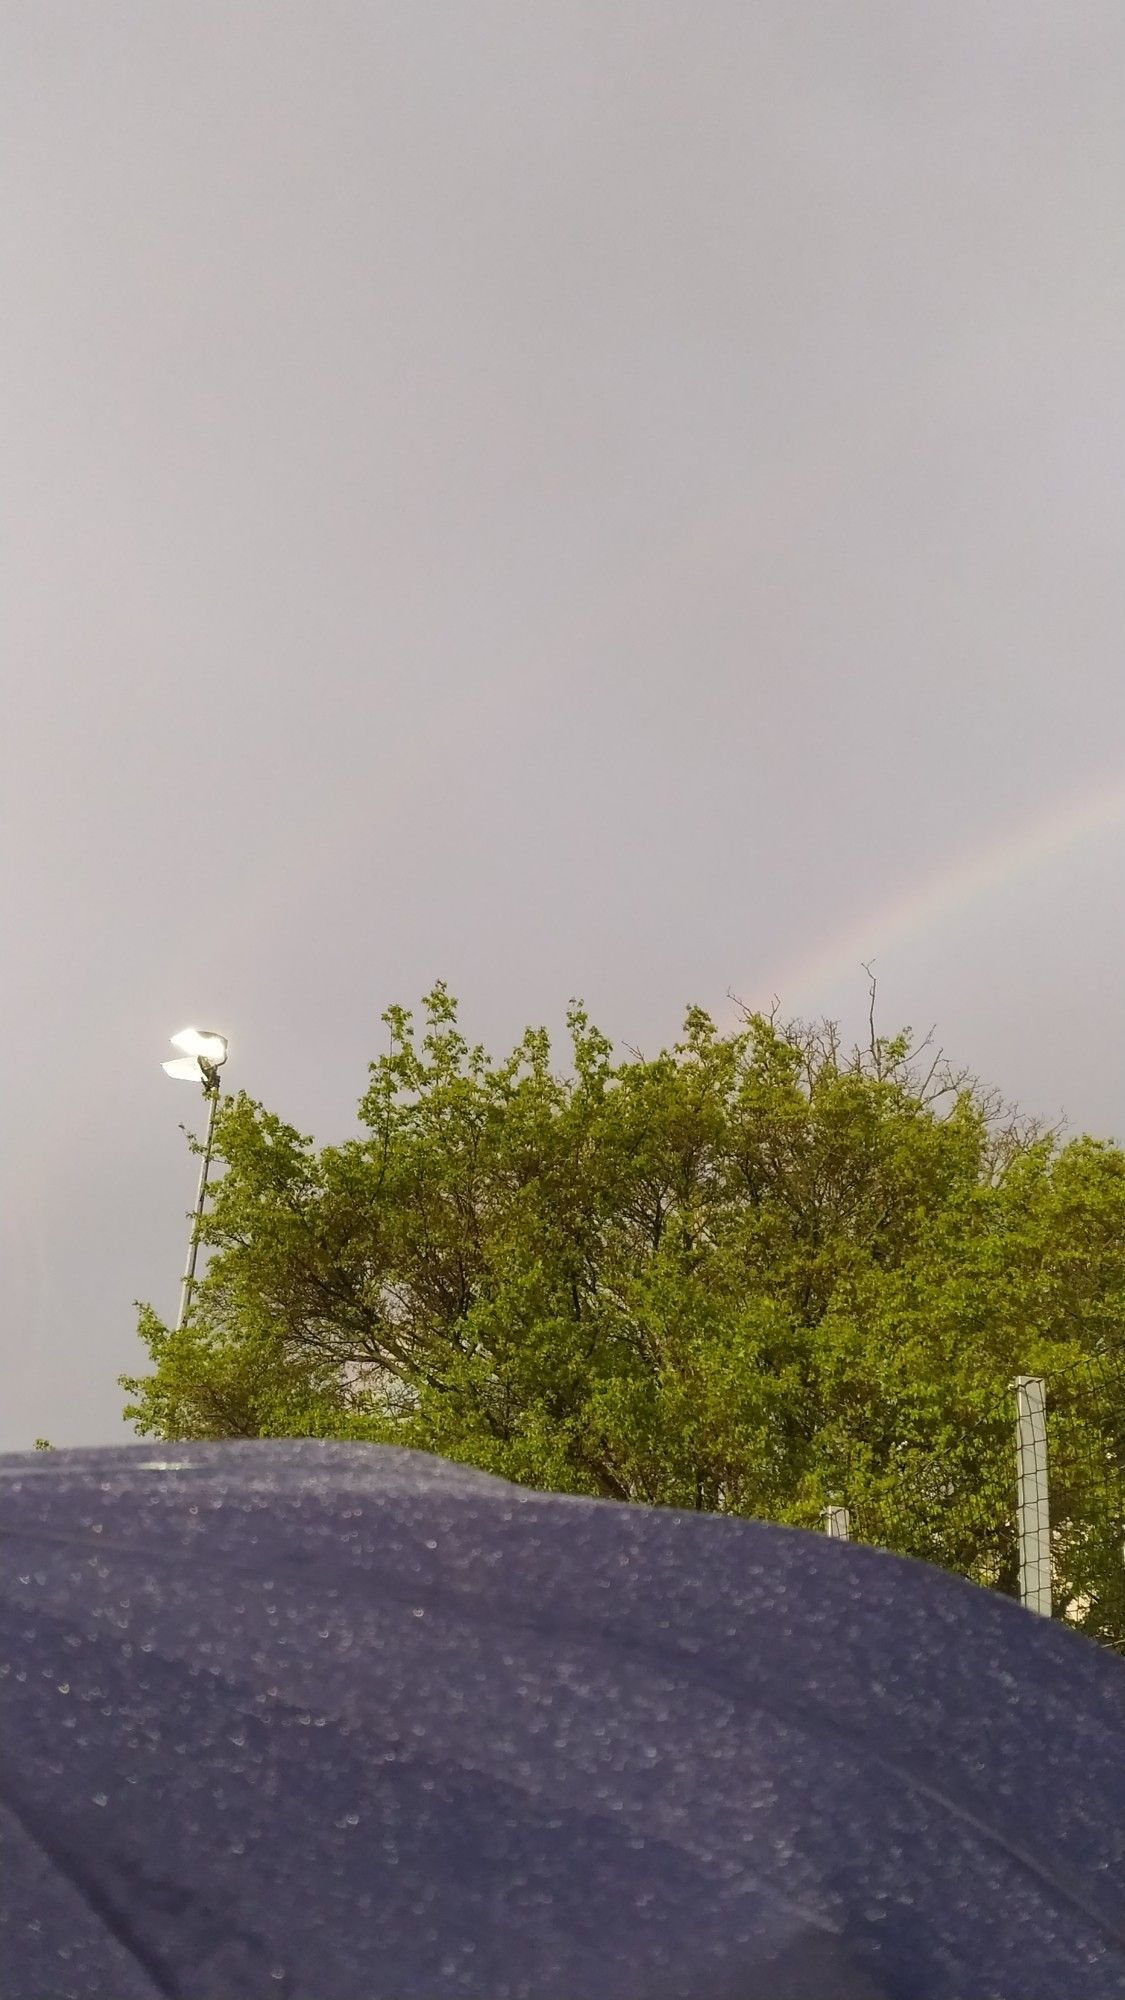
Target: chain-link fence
[1029, 1500]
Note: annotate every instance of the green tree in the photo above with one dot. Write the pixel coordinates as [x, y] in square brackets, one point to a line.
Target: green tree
[751, 1274]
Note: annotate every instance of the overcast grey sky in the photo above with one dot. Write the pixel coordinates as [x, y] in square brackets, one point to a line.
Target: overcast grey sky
[609, 499]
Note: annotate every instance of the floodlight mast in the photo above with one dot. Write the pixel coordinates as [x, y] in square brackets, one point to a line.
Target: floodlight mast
[210, 1053]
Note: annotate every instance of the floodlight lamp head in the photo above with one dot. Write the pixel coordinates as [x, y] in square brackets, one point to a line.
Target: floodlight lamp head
[203, 1057]
[184, 1068]
[204, 1043]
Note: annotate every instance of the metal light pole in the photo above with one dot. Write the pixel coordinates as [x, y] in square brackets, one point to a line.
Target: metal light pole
[205, 1054]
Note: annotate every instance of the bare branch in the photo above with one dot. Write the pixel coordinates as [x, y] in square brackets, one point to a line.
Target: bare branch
[872, 987]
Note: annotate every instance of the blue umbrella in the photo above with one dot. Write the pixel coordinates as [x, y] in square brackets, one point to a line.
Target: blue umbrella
[350, 1723]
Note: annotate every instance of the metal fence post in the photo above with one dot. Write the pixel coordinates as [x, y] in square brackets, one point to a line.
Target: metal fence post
[838, 1523]
[1032, 1501]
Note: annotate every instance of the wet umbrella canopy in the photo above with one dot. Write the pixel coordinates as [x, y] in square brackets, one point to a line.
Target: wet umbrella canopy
[349, 1723]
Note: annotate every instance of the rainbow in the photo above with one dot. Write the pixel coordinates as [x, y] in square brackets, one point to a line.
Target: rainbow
[972, 877]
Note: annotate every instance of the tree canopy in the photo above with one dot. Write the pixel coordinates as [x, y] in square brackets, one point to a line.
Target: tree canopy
[753, 1273]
